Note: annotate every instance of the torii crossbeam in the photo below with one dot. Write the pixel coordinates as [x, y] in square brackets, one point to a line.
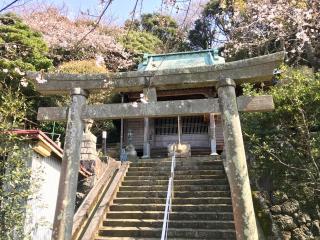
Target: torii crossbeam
[223, 77]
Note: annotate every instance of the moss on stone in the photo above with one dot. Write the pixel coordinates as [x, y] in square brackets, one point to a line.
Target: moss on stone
[262, 214]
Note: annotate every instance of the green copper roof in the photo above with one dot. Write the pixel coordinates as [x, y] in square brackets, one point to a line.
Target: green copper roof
[152, 62]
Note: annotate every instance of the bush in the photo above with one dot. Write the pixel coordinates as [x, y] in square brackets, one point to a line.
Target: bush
[82, 67]
[285, 143]
[141, 42]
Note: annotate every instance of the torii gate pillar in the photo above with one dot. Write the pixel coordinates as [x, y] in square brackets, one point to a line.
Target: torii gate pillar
[62, 227]
[235, 163]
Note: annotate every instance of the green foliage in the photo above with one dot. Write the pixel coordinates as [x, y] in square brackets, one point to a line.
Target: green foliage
[12, 110]
[21, 49]
[82, 67]
[21, 45]
[86, 67]
[201, 36]
[163, 27]
[285, 143]
[14, 176]
[141, 42]
[210, 29]
[15, 182]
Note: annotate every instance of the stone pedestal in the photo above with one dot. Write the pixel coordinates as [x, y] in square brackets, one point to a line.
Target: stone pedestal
[181, 150]
[131, 153]
[89, 156]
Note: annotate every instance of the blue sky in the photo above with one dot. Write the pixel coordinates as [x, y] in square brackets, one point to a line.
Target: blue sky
[119, 10]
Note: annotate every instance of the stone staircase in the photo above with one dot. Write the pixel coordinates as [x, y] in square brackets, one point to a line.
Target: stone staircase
[195, 151]
[201, 207]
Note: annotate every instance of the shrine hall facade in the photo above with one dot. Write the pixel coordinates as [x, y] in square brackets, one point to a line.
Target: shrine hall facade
[203, 132]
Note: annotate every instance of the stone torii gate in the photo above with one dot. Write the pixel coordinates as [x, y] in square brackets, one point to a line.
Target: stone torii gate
[223, 77]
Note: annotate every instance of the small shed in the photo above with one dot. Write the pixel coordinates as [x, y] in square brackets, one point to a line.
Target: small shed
[45, 162]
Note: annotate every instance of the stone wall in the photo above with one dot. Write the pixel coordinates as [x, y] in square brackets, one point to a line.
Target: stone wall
[284, 218]
[292, 221]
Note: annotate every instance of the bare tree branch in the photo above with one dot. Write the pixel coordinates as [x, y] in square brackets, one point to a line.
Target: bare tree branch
[97, 22]
[10, 4]
[133, 13]
[141, 5]
[185, 17]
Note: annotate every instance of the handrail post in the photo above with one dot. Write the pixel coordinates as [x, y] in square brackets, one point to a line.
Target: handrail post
[168, 207]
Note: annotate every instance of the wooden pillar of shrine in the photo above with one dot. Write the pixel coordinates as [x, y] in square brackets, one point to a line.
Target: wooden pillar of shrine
[235, 163]
[150, 95]
[146, 143]
[63, 220]
[213, 139]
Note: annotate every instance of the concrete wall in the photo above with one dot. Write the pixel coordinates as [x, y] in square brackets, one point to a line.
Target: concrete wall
[45, 171]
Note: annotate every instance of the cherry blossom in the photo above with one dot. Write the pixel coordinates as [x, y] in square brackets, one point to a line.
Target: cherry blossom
[61, 33]
[264, 25]
[40, 79]
[24, 82]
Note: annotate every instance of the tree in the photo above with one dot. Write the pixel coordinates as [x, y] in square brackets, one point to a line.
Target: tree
[140, 42]
[163, 27]
[21, 49]
[284, 144]
[202, 36]
[267, 26]
[210, 29]
[66, 39]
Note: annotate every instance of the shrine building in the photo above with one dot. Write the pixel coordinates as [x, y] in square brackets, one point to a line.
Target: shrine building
[202, 132]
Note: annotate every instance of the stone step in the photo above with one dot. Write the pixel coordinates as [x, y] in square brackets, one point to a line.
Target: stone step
[178, 163]
[157, 223]
[137, 238]
[176, 182]
[177, 194]
[194, 201]
[177, 208]
[201, 208]
[194, 216]
[127, 238]
[189, 188]
[173, 232]
[177, 177]
[185, 159]
[155, 172]
[178, 168]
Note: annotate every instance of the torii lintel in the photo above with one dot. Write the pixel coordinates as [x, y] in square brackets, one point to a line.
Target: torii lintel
[256, 69]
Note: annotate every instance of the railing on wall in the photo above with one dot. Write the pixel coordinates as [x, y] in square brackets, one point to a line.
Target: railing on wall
[170, 195]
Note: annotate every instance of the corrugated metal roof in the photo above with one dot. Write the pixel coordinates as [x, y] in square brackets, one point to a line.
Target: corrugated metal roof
[39, 135]
[152, 62]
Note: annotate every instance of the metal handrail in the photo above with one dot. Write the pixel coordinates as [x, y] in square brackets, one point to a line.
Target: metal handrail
[168, 208]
